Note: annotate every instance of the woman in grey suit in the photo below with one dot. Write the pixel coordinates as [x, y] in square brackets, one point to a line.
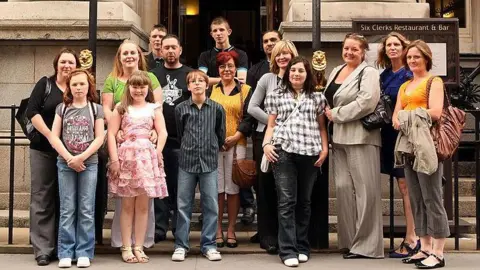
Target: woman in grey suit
[352, 92]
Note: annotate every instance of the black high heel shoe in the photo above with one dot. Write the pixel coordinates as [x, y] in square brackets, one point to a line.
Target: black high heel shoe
[441, 263]
[409, 260]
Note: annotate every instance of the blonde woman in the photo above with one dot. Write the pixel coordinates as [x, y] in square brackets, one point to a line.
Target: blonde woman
[267, 220]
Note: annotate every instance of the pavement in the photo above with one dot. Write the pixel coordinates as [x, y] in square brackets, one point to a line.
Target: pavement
[246, 261]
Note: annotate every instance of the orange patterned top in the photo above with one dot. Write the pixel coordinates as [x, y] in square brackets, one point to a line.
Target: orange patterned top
[417, 97]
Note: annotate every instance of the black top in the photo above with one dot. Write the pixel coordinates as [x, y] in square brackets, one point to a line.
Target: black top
[152, 62]
[208, 61]
[175, 91]
[48, 112]
[201, 133]
[256, 72]
[331, 90]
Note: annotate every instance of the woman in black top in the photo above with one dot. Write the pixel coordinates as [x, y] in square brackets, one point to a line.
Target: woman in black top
[43, 158]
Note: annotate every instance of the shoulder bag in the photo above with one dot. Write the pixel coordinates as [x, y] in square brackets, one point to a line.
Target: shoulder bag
[265, 164]
[447, 130]
[382, 115]
[244, 173]
[25, 123]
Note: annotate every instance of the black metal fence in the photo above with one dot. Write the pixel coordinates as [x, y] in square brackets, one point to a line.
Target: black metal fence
[475, 144]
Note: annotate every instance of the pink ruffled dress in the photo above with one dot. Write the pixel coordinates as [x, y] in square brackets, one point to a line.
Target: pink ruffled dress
[140, 172]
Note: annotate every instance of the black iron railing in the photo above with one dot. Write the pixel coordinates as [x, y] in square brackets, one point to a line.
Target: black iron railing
[464, 145]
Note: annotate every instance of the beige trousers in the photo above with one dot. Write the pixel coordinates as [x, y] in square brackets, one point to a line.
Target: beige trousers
[356, 170]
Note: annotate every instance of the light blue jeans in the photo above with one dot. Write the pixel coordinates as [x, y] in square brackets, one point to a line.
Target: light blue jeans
[76, 232]
[208, 184]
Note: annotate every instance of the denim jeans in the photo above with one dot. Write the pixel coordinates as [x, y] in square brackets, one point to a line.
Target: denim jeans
[164, 207]
[76, 234]
[208, 184]
[295, 177]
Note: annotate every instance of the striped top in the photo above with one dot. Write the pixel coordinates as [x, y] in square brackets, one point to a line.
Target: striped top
[201, 133]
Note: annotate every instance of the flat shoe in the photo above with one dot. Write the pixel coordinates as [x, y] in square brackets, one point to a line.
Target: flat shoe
[232, 244]
[220, 244]
[409, 260]
[354, 256]
[440, 264]
[43, 260]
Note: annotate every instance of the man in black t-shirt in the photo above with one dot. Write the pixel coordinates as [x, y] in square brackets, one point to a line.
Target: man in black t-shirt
[172, 77]
[220, 32]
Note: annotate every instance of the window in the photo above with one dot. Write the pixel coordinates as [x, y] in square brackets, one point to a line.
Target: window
[449, 9]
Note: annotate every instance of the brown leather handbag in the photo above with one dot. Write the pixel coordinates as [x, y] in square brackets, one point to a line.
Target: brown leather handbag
[244, 173]
[446, 131]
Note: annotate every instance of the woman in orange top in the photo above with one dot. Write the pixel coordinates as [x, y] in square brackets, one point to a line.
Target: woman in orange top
[230, 93]
[425, 191]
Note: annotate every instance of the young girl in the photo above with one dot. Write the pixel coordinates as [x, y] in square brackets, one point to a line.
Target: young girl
[79, 124]
[136, 168]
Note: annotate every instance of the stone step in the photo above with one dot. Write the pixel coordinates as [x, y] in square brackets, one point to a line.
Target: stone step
[466, 189]
[467, 204]
[21, 220]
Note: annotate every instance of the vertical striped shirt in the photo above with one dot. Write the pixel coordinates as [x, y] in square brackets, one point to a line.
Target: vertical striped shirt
[201, 133]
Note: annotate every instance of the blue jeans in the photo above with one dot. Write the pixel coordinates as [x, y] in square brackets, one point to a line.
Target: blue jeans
[295, 177]
[208, 184]
[76, 233]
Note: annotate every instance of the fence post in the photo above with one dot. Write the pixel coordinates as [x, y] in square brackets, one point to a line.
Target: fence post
[12, 174]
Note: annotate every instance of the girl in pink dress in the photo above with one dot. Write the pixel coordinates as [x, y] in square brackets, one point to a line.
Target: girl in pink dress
[136, 166]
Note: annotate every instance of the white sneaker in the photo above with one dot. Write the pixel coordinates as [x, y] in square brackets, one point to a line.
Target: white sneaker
[83, 262]
[65, 263]
[213, 255]
[302, 258]
[292, 262]
[178, 255]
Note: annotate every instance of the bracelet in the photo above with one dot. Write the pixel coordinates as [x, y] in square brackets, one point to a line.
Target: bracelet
[265, 144]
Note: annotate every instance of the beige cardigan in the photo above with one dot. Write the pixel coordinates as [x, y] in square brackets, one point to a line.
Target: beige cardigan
[350, 104]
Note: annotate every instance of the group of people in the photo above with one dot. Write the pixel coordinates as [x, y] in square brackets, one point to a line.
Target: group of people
[170, 127]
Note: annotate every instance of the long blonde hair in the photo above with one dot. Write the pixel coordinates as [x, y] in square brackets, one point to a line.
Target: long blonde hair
[279, 47]
[138, 78]
[117, 63]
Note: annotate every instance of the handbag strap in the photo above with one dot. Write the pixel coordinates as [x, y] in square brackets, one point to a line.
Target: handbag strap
[289, 116]
[242, 104]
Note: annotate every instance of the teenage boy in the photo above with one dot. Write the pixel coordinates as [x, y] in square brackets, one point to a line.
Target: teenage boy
[172, 76]
[220, 32]
[201, 130]
[154, 58]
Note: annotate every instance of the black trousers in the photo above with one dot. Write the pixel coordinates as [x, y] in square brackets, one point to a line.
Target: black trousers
[165, 207]
[267, 219]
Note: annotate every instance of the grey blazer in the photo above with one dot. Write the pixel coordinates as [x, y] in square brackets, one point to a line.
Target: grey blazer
[350, 104]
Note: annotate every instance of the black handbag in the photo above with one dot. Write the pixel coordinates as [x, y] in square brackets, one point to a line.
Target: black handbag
[27, 127]
[382, 115]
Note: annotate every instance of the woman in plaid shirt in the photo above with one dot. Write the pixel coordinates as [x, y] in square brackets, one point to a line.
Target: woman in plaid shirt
[296, 143]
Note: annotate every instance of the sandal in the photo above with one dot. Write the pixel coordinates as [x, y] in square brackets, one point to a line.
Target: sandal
[127, 255]
[397, 253]
[409, 260]
[140, 254]
[441, 263]
[220, 244]
[232, 244]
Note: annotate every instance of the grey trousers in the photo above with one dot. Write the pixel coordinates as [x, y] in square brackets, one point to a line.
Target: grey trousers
[44, 204]
[426, 192]
[356, 170]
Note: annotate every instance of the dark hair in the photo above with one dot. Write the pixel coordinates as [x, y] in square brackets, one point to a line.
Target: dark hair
[223, 57]
[167, 36]
[424, 51]
[57, 57]
[309, 84]
[92, 92]
[280, 36]
[220, 20]
[138, 78]
[159, 27]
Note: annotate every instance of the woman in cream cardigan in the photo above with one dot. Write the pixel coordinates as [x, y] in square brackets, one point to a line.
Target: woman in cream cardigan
[352, 92]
